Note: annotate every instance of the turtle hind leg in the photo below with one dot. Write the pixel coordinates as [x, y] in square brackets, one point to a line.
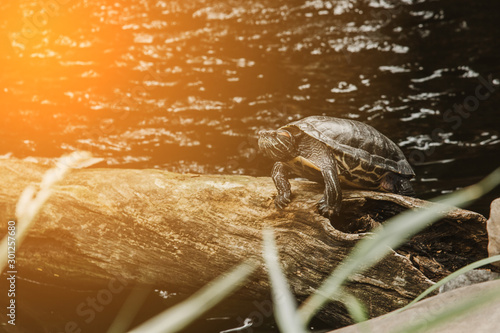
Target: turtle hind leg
[331, 203]
[397, 184]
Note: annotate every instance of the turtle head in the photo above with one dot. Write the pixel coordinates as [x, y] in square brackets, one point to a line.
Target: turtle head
[278, 145]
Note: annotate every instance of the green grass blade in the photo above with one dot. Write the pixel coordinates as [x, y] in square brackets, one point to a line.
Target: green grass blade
[357, 311]
[452, 311]
[181, 315]
[450, 277]
[285, 307]
[355, 307]
[129, 310]
[394, 232]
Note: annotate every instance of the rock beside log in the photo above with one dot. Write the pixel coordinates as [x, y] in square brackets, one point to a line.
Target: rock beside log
[180, 231]
[493, 227]
[469, 278]
[480, 320]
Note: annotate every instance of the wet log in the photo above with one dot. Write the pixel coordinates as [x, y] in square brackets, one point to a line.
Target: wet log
[179, 231]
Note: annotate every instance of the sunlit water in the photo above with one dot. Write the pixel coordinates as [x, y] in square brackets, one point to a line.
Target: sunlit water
[186, 85]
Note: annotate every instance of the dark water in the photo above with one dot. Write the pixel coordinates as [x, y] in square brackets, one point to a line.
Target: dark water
[186, 85]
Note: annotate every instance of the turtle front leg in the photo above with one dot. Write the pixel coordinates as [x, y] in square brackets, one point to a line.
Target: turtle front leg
[279, 176]
[331, 202]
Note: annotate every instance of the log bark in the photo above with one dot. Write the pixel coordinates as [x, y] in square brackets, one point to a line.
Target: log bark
[179, 231]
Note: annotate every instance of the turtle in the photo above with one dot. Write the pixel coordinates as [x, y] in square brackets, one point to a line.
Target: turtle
[339, 152]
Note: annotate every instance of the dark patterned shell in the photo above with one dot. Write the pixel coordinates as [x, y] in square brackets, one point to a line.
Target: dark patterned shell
[357, 140]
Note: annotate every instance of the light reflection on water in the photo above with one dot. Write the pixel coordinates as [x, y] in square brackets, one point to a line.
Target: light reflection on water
[186, 85]
[153, 83]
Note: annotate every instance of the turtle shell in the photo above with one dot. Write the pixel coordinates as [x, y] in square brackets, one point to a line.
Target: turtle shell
[357, 142]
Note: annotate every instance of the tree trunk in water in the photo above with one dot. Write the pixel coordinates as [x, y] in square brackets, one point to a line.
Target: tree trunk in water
[180, 231]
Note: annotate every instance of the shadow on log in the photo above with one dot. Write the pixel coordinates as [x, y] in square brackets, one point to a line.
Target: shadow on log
[151, 227]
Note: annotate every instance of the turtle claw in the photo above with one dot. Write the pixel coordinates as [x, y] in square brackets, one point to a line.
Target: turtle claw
[282, 200]
[328, 211]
